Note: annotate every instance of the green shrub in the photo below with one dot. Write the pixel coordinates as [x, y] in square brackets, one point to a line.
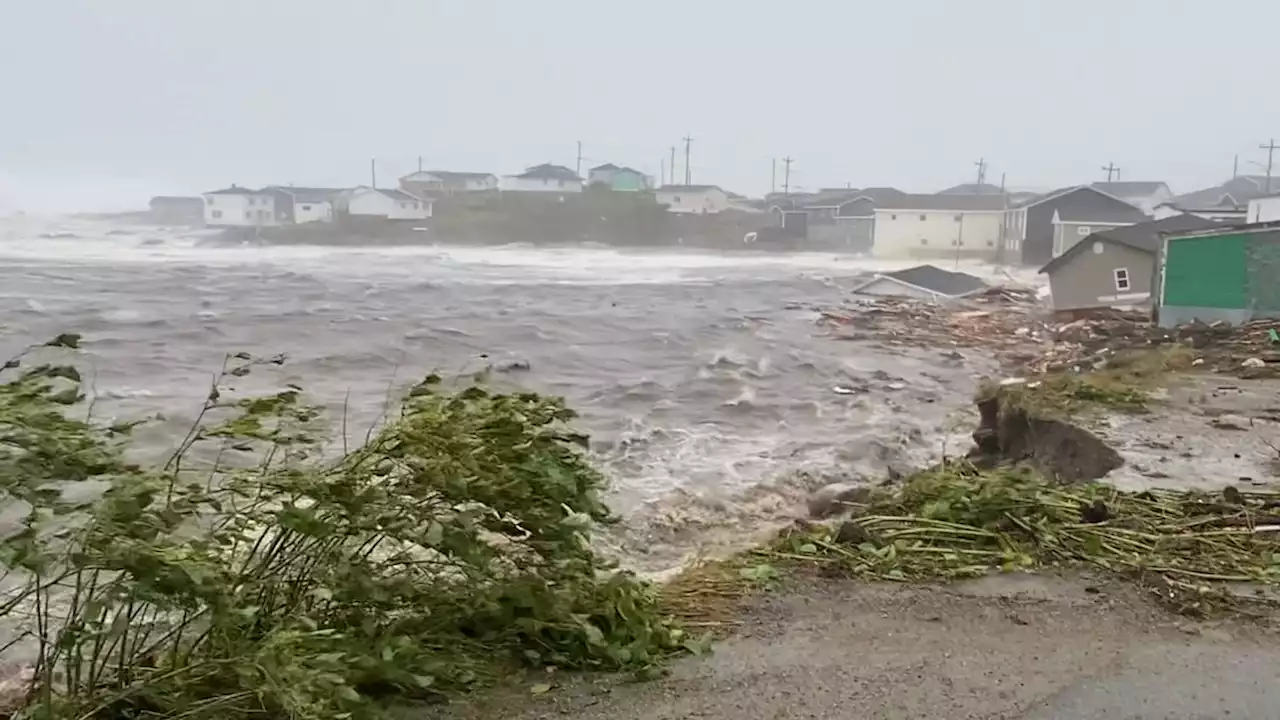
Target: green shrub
[276, 581]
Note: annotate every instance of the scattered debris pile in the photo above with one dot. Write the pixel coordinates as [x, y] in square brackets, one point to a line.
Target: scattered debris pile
[1013, 324]
[1251, 350]
[1006, 320]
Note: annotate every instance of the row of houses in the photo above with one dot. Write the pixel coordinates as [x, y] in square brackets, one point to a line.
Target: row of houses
[983, 221]
[418, 192]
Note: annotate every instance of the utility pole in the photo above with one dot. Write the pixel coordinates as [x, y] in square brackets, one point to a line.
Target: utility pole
[786, 175]
[982, 172]
[773, 176]
[673, 165]
[688, 172]
[577, 166]
[1270, 147]
[1004, 221]
[373, 173]
[1235, 166]
[1110, 169]
[419, 163]
[662, 172]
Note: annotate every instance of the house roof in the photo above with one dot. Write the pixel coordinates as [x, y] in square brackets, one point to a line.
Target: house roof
[688, 188]
[1113, 215]
[1130, 188]
[1059, 192]
[448, 175]
[972, 189]
[305, 194]
[1144, 236]
[1232, 194]
[396, 194]
[933, 279]
[836, 198]
[550, 171]
[942, 202]
[233, 190]
[606, 166]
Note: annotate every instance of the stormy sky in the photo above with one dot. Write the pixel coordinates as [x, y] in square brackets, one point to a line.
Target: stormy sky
[109, 101]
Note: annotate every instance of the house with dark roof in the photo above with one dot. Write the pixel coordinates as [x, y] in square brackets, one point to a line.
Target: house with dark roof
[1228, 202]
[950, 226]
[437, 183]
[1146, 195]
[298, 205]
[1115, 267]
[693, 199]
[621, 179]
[544, 178]
[383, 203]
[1044, 226]
[922, 282]
[843, 219]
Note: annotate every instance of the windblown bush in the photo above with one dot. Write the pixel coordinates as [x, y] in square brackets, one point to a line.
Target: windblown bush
[273, 582]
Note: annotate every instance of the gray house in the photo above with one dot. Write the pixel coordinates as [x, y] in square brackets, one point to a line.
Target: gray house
[847, 221]
[1032, 226]
[1228, 202]
[1113, 267]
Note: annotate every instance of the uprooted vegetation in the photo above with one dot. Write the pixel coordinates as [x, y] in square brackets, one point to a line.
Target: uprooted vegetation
[278, 581]
[956, 521]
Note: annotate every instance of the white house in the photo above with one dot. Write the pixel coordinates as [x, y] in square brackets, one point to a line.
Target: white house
[447, 182]
[239, 207]
[944, 226]
[1264, 209]
[545, 178]
[299, 205]
[388, 203]
[693, 199]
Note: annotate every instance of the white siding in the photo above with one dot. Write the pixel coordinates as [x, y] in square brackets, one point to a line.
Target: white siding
[701, 202]
[1266, 209]
[512, 183]
[886, 287]
[367, 202]
[936, 233]
[239, 210]
[307, 212]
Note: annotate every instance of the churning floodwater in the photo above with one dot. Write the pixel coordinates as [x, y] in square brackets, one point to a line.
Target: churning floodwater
[704, 380]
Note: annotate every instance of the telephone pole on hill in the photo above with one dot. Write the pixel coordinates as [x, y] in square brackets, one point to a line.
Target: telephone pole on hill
[1111, 169]
[773, 176]
[577, 166]
[373, 173]
[1270, 147]
[982, 172]
[688, 172]
[786, 175]
[672, 171]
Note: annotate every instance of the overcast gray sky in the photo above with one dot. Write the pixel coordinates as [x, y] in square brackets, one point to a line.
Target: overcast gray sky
[109, 101]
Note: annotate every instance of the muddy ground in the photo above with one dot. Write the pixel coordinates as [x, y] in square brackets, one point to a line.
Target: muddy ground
[1010, 646]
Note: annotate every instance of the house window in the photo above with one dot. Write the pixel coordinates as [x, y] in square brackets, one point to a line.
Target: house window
[677, 198]
[923, 241]
[404, 205]
[217, 214]
[211, 201]
[1083, 230]
[923, 218]
[1122, 278]
[991, 243]
[248, 214]
[306, 207]
[893, 217]
[959, 218]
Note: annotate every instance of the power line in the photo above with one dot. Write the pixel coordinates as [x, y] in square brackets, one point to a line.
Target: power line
[1110, 169]
[688, 173]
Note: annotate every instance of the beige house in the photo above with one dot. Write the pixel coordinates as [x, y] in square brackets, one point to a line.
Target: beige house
[940, 226]
[1113, 267]
[693, 199]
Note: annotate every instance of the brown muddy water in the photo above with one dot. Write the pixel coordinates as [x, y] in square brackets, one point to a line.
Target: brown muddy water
[705, 383]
